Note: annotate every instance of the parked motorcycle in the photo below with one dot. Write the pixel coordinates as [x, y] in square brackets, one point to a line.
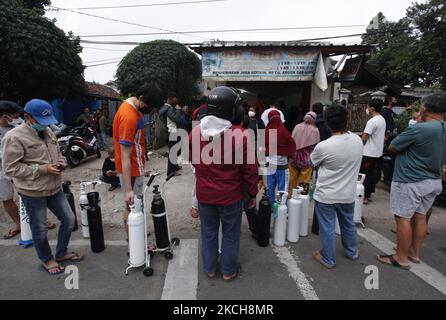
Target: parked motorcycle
[78, 143]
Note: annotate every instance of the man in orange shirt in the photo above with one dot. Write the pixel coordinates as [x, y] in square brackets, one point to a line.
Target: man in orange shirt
[129, 141]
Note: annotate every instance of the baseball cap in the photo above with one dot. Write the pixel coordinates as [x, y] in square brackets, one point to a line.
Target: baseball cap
[41, 111]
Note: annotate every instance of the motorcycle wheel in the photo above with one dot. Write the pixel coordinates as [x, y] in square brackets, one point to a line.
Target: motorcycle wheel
[72, 160]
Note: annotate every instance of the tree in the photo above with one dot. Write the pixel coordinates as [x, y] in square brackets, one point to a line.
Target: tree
[167, 63]
[412, 50]
[36, 4]
[37, 59]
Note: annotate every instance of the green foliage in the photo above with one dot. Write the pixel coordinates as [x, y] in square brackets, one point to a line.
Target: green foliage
[166, 63]
[36, 4]
[412, 50]
[37, 59]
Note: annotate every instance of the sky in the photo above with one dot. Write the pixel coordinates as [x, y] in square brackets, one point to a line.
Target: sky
[102, 59]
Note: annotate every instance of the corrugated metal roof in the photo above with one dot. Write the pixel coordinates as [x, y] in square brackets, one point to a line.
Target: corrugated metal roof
[325, 46]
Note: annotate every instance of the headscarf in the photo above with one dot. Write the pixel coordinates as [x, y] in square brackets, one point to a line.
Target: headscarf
[285, 143]
[307, 134]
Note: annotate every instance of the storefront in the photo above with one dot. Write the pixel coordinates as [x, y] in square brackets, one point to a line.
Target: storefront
[295, 74]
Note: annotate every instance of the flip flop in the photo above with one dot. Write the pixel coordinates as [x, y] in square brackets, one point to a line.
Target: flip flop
[11, 234]
[60, 269]
[391, 262]
[51, 226]
[411, 259]
[233, 276]
[73, 258]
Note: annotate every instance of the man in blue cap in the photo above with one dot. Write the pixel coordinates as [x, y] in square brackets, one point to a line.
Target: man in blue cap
[31, 157]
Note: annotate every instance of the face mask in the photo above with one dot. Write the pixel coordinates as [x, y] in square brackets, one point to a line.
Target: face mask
[145, 109]
[367, 111]
[15, 122]
[251, 114]
[112, 159]
[39, 128]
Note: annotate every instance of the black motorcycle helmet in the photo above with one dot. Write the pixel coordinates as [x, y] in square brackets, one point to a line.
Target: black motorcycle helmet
[224, 103]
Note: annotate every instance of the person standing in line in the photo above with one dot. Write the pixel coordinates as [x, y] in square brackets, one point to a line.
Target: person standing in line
[373, 139]
[220, 184]
[31, 153]
[306, 135]
[417, 179]
[338, 159]
[9, 118]
[279, 152]
[129, 141]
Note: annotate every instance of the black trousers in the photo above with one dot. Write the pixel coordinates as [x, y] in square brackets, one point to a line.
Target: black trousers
[368, 167]
[114, 181]
[172, 166]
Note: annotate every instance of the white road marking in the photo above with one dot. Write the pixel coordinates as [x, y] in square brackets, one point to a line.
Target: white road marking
[294, 271]
[182, 273]
[423, 271]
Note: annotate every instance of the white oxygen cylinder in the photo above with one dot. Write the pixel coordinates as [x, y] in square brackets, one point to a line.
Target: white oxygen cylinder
[137, 240]
[305, 213]
[294, 212]
[359, 200]
[26, 237]
[83, 202]
[280, 225]
[337, 227]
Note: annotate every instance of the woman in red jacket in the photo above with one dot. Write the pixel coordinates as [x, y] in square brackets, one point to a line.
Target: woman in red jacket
[220, 183]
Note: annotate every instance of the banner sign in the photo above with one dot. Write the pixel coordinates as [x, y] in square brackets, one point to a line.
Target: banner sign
[260, 65]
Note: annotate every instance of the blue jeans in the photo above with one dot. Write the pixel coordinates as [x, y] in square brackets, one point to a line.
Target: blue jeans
[326, 214]
[102, 141]
[37, 209]
[279, 179]
[231, 220]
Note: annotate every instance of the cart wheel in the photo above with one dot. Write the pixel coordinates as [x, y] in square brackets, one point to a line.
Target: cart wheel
[175, 241]
[168, 255]
[148, 272]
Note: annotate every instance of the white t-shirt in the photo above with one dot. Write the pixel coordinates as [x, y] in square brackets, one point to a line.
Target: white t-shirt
[339, 160]
[265, 114]
[376, 129]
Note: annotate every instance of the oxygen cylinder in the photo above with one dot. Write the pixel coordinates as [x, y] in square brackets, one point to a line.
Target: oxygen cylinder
[158, 212]
[95, 223]
[337, 227]
[280, 224]
[294, 212]
[359, 200]
[83, 202]
[26, 237]
[305, 213]
[264, 222]
[70, 198]
[137, 238]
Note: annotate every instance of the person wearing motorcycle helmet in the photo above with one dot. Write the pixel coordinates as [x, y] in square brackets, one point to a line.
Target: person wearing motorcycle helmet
[219, 186]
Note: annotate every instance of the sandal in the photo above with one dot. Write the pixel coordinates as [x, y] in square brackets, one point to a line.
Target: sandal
[391, 262]
[318, 257]
[71, 257]
[233, 276]
[51, 226]
[411, 259]
[11, 234]
[60, 269]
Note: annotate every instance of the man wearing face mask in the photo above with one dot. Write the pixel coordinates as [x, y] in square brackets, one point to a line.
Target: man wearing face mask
[373, 139]
[253, 122]
[129, 141]
[31, 157]
[9, 118]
